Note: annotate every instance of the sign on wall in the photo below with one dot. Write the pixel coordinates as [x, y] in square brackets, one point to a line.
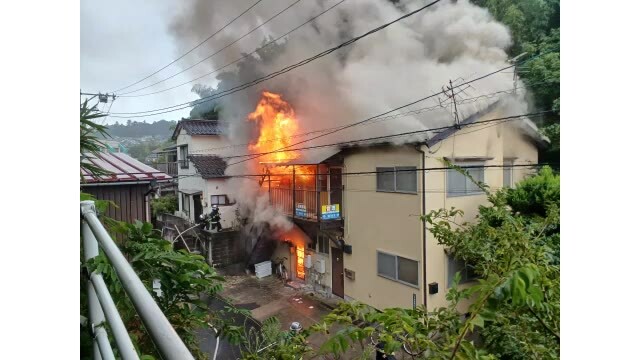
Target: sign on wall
[330, 212]
[301, 210]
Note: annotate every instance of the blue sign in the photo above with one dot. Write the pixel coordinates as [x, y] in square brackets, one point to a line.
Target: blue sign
[301, 210]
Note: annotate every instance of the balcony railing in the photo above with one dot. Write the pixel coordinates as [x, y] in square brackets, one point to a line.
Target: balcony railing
[101, 304]
[169, 168]
[307, 204]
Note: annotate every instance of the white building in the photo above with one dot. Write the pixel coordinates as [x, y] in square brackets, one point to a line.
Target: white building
[201, 180]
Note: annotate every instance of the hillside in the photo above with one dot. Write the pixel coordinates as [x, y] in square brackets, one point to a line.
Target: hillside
[135, 129]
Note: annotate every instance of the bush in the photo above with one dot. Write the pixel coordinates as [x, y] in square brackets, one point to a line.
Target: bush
[166, 204]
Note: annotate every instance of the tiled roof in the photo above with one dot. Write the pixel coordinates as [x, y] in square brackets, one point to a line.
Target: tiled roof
[122, 168]
[198, 127]
[209, 166]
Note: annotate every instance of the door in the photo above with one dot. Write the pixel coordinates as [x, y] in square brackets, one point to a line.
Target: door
[337, 272]
[197, 207]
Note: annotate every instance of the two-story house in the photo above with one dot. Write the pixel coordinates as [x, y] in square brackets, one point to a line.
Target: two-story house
[201, 173]
[360, 207]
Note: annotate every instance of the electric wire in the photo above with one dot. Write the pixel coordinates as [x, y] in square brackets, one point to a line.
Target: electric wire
[217, 52]
[276, 73]
[238, 59]
[192, 49]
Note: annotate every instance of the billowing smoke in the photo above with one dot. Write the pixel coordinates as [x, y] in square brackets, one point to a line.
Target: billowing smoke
[450, 41]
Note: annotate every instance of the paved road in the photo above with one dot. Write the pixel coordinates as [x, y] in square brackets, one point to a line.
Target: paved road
[226, 351]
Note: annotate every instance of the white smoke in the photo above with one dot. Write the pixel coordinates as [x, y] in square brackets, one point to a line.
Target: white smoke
[450, 41]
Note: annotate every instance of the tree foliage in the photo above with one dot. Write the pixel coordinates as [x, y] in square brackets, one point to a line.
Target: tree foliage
[166, 204]
[90, 134]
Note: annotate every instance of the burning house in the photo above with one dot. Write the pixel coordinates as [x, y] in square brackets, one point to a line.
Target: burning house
[347, 216]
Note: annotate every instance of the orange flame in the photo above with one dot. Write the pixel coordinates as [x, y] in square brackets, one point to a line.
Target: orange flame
[278, 124]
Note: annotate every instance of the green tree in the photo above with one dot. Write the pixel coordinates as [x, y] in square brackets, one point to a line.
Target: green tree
[90, 144]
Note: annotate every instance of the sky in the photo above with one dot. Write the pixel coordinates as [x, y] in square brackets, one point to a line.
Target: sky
[122, 42]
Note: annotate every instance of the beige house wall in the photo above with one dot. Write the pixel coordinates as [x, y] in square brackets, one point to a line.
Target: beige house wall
[380, 221]
[493, 143]
[389, 221]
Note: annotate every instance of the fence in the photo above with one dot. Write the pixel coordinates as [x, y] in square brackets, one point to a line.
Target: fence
[101, 304]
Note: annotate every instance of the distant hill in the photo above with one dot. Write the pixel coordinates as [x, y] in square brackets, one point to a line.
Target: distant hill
[135, 129]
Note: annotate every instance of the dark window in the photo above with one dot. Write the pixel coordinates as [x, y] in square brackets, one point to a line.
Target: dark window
[398, 268]
[459, 184]
[184, 153]
[455, 265]
[323, 244]
[397, 179]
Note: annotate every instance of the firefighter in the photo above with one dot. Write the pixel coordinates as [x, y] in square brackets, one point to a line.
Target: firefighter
[214, 218]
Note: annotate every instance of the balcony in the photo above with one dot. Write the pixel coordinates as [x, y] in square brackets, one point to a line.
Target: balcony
[170, 168]
[314, 193]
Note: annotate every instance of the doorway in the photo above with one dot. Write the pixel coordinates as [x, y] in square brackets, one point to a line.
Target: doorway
[197, 207]
[337, 272]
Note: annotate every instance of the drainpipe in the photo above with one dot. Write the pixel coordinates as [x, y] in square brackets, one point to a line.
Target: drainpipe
[424, 227]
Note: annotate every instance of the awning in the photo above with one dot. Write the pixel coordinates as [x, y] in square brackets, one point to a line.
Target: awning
[190, 191]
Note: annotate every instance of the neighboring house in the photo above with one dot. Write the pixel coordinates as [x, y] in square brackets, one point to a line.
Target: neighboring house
[130, 185]
[113, 146]
[364, 236]
[201, 180]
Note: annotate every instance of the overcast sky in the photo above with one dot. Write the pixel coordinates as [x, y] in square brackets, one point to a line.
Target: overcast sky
[122, 42]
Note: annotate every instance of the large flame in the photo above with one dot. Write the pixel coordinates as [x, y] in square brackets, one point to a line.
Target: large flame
[278, 125]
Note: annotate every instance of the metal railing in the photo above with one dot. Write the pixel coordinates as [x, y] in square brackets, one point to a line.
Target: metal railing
[301, 203]
[101, 304]
[170, 168]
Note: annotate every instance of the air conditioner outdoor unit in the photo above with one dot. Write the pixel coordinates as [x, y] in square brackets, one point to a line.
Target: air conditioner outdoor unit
[320, 267]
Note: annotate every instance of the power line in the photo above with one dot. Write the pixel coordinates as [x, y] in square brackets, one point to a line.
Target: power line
[188, 52]
[379, 120]
[375, 172]
[217, 52]
[409, 133]
[240, 58]
[384, 113]
[276, 73]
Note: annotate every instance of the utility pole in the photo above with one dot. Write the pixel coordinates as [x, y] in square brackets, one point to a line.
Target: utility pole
[455, 106]
[515, 71]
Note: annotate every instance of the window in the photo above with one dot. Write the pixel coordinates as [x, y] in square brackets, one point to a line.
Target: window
[466, 271]
[507, 173]
[402, 179]
[186, 204]
[220, 200]
[397, 268]
[459, 184]
[323, 244]
[184, 153]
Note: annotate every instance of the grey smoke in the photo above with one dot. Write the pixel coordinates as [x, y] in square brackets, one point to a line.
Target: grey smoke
[406, 61]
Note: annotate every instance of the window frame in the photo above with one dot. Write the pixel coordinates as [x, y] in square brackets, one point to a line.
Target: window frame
[227, 201]
[327, 241]
[466, 272]
[462, 164]
[379, 170]
[417, 286]
[183, 153]
[186, 210]
[508, 168]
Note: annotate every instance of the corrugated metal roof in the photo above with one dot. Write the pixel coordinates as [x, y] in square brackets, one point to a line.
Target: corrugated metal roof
[198, 127]
[123, 168]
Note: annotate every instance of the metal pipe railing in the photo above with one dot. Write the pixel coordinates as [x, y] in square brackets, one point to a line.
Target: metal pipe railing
[101, 347]
[164, 336]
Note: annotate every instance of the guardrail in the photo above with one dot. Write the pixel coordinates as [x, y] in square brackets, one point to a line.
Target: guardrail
[101, 304]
